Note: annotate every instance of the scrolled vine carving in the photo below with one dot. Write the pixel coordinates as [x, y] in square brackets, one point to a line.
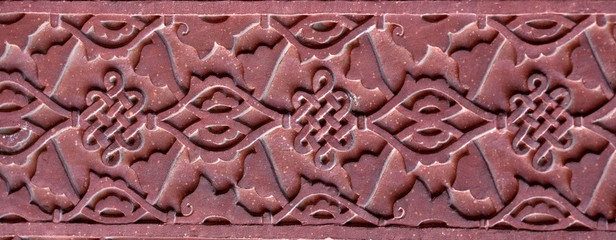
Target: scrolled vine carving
[418, 120]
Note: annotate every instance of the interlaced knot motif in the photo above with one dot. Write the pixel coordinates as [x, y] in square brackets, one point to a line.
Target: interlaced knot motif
[541, 120]
[323, 119]
[113, 119]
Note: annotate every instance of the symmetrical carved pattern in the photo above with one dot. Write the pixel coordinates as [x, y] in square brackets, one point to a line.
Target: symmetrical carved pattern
[541, 121]
[461, 120]
[322, 118]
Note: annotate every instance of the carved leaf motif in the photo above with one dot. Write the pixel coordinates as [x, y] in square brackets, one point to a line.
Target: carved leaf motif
[397, 58]
[48, 201]
[254, 203]
[366, 68]
[186, 62]
[13, 59]
[437, 64]
[45, 37]
[469, 37]
[253, 37]
[470, 206]
[420, 120]
[182, 179]
[16, 133]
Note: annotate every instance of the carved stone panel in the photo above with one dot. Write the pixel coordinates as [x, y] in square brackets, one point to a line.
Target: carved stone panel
[388, 120]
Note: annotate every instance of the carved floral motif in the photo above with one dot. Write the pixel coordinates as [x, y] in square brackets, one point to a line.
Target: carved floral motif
[416, 120]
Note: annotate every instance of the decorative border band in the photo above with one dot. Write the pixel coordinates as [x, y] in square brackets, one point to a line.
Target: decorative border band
[386, 116]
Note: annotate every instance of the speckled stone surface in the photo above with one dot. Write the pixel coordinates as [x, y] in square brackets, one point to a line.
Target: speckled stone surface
[308, 120]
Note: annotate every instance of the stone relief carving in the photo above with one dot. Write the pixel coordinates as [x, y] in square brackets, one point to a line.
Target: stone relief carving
[460, 120]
